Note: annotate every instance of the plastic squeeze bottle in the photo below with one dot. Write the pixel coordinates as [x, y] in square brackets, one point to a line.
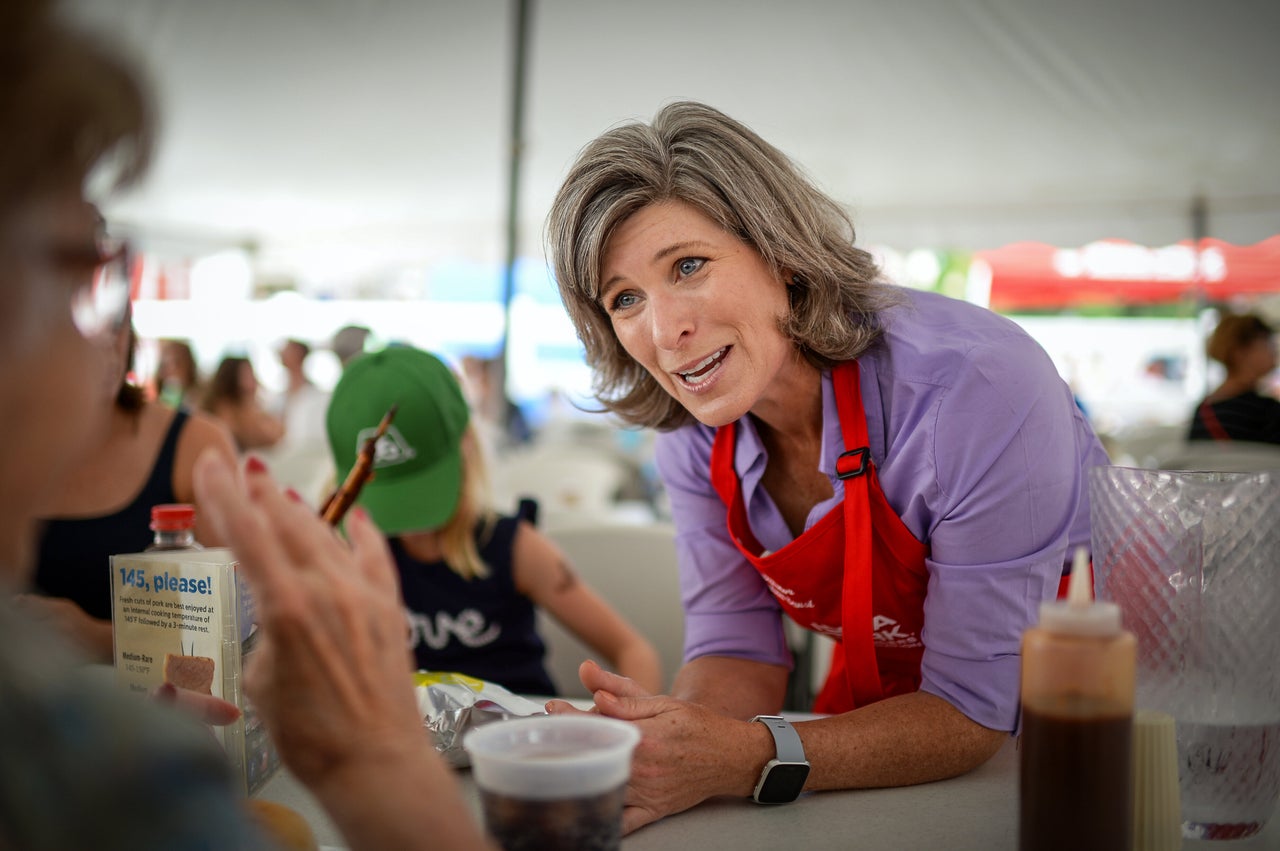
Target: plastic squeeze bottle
[175, 527]
[1078, 668]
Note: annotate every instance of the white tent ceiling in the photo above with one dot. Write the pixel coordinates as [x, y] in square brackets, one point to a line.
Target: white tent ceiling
[346, 137]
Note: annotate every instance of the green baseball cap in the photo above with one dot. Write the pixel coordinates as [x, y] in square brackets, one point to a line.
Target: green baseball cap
[417, 470]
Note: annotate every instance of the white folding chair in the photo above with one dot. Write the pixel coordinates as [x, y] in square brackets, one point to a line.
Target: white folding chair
[1235, 456]
[567, 482]
[633, 567]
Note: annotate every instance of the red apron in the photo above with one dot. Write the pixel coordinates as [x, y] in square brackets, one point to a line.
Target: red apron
[857, 575]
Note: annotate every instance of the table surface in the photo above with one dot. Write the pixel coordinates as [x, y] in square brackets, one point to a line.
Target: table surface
[976, 811]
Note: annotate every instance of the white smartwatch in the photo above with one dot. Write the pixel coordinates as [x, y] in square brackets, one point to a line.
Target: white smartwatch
[783, 776]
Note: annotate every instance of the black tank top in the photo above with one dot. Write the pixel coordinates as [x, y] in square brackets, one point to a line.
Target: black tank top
[480, 627]
[75, 553]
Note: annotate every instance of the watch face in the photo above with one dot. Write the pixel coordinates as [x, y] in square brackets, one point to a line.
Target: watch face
[782, 783]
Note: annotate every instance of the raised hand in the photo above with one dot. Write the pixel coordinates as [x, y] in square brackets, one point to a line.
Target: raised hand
[331, 678]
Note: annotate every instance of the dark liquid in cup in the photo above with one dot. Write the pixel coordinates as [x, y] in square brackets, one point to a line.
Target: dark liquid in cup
[591, 823]
[1075, 791]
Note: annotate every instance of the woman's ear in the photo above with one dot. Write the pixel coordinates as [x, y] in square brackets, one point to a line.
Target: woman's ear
[793, 283]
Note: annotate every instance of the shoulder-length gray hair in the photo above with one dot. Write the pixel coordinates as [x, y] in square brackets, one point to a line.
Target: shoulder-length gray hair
[700, 156]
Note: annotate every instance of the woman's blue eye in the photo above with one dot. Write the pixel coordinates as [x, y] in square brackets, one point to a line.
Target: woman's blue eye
[689, 265]
[623, 301]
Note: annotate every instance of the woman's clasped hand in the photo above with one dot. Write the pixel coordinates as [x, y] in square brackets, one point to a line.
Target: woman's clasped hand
[703, 743]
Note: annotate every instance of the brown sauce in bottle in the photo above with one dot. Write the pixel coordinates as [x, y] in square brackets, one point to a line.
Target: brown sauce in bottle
[1075, 791]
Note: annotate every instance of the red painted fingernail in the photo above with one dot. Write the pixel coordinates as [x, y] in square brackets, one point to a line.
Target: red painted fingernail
[358, 511]
[254, 465]
[293, 494]
[166, 692]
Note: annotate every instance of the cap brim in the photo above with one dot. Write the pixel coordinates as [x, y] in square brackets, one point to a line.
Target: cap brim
[419, 502]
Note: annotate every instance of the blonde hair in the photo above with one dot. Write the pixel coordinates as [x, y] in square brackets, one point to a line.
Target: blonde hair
[699, 156]
[458, 535]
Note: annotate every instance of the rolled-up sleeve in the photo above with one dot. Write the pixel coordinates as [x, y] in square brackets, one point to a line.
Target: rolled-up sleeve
[728, 609]
[1008, 453]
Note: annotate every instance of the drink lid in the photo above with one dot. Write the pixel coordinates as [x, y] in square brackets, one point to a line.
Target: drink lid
[172, 518]
[1080, 613]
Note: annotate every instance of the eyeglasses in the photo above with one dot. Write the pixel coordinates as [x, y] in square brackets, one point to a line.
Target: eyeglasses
[102, 306]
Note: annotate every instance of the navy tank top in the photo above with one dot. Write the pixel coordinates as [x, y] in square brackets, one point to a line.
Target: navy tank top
[75, 552]
[480, 627]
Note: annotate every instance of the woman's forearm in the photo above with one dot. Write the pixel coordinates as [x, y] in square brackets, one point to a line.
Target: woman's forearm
[900, 741]
[735, 687]
[913, 738]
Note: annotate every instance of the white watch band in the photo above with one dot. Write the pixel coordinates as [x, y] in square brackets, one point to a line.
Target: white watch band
[785, 738]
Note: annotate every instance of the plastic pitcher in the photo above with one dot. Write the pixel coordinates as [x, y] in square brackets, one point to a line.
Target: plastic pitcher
[1193, 560]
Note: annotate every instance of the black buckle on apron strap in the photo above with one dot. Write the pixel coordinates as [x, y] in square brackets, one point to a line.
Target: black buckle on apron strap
[853, 463]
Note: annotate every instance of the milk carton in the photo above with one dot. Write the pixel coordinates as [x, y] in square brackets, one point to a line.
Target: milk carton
[182, 616]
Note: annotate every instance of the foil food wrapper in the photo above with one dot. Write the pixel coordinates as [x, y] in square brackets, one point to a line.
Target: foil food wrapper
[452, 704]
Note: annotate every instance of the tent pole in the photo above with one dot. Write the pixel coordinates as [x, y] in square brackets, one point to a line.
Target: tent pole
[520, 41]
[1199, 216]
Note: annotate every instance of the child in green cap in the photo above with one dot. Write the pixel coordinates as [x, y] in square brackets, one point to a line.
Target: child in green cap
[472, 579]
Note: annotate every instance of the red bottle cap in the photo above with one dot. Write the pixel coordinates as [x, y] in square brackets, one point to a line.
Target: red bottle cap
[172, 518]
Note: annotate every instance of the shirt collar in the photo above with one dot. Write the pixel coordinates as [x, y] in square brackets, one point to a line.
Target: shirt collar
[750, 456]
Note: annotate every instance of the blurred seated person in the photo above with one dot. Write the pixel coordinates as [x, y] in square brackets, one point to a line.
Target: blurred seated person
[177, 378]
[1245, 345]
[232, 396]
[493, 407]
[144, 457]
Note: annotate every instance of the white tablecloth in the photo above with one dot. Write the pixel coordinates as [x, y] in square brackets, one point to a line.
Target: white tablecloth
[976, 811]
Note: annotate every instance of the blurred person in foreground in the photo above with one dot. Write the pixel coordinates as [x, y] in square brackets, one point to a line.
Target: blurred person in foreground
[472, 580]
[1235, 410]
[144, 457]
[896, 469]
[88, 766]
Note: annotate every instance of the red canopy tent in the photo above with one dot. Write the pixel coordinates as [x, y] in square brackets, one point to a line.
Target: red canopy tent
[1035, 276]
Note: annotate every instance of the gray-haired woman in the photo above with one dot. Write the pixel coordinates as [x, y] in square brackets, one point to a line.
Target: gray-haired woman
[896, 469]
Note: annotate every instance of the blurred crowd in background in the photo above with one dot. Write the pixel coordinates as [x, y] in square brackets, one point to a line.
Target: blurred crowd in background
[598, 466]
